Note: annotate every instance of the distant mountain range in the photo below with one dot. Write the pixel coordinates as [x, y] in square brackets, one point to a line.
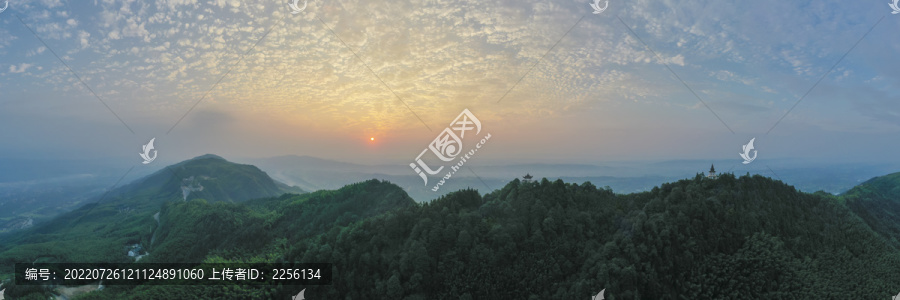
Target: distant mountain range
[310, 173]
[699, 238]
[41, 189]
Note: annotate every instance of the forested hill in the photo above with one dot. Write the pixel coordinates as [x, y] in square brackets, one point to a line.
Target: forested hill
[205, 177]
[220, 180]
[190, 231]
[100, 230]
[728, 238]
[877, 202]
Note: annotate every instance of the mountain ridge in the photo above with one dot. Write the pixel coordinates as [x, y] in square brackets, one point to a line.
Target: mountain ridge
[877, 202]
[699, 238]
[121, 214]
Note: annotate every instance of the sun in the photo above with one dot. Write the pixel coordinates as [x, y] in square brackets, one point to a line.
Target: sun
[372, 138]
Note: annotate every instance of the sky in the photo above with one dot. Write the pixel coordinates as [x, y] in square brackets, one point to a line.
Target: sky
[550, 81]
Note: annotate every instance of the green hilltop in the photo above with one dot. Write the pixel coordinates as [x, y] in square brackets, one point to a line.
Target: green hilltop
[877, 202]
[725, 238]
[97, 232]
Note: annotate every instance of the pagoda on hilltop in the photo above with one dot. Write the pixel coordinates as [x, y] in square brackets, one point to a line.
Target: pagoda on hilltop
[527, 178]
[712, 172]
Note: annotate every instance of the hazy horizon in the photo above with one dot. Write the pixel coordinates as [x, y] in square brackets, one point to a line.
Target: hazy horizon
[624, 176]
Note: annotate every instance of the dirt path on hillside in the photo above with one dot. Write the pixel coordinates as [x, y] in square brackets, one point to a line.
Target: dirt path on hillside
[153, 238]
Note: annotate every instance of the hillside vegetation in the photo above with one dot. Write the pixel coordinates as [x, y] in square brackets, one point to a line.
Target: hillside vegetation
[98, 232]
[877, 202]
[727, 238]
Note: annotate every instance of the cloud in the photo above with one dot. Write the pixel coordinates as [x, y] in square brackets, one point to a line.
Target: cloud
[445, 55]
[83, 37]
[20, 69]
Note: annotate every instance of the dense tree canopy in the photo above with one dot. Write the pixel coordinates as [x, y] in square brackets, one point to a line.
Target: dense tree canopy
[727, 238]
